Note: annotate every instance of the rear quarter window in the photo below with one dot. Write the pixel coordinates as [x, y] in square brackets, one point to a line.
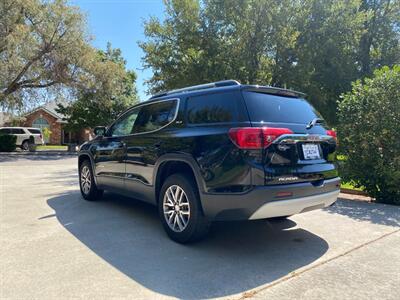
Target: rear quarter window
[264, 107]
[213, 108]
[34, 131]
[154, 116]
[17, 131]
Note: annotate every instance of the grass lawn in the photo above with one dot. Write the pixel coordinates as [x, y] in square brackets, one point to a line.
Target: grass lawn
[52, 147]
[350, 186]
[347, 185]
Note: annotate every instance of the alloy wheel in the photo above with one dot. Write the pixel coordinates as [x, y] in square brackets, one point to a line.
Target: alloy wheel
[176, 208]
[86, 181]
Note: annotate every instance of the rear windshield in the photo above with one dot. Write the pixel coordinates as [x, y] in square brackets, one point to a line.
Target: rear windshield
[280, 109]
[34, 131]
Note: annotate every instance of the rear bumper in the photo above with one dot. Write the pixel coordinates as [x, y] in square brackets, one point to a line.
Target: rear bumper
[262, 201]
[295, 206]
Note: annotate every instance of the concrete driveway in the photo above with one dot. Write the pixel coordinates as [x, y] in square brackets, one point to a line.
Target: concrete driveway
[54, 245]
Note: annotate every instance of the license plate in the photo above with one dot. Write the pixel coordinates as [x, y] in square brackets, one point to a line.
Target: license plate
[311, 151]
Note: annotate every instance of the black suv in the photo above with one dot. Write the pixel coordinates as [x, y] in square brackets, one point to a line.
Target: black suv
[218, 151]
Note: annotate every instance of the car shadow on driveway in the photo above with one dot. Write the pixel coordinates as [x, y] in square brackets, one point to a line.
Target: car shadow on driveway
[235, 257]
[34, 157]
[375, 213]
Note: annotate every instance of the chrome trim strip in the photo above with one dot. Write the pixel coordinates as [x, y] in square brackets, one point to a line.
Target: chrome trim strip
[138, 180]
[124, 177]
[293, 138]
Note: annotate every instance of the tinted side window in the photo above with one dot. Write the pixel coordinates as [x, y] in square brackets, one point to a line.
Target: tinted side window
[212, 108]
[5, 131]
[34, 131]
[154, 116]
[124, 125]
[17, 131]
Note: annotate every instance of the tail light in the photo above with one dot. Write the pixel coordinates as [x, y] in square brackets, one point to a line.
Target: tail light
[40, 135]
[256, 137]
[332, 133]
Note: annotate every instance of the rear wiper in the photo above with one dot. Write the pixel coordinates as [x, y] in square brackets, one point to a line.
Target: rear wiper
[313, 122]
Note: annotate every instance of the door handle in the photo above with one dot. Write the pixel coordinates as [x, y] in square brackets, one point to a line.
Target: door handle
[118, 147]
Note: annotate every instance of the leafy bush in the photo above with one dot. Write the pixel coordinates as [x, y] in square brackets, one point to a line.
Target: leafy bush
[47, 133]
[7, 142]
[369, 135]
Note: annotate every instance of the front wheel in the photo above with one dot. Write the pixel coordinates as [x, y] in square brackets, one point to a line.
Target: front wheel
[87, 184]
[180, 210]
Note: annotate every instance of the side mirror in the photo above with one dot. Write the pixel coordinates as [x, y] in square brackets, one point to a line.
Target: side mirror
[99, 131]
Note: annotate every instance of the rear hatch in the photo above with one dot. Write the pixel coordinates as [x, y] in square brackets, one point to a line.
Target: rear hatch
[37, 135]
[297, 146]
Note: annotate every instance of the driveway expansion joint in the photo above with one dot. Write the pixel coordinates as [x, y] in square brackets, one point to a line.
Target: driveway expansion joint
[252, 293]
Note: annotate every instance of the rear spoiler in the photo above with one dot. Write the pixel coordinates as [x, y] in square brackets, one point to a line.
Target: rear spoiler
[273, 91]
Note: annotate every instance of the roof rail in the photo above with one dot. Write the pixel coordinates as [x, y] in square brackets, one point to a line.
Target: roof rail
[198, 87]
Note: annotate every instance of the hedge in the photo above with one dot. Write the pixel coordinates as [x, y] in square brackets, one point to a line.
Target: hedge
[369, 135]
[7, 143]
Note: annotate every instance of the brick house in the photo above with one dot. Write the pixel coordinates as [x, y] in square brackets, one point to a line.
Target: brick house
[46, 116]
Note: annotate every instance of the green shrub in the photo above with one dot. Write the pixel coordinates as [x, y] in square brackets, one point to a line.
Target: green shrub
[46, 133]
[369, 135]
[7, 142]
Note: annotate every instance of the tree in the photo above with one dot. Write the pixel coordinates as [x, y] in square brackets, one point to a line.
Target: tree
[43, 44]
[379, 44]
[174, 49]
[309, 45]
[113, 91]
[200, 43]
[369, 134]
[325, 52]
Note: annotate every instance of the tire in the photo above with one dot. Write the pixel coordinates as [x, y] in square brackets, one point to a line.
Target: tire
[187, 221]
[87, 184]
[25, 145]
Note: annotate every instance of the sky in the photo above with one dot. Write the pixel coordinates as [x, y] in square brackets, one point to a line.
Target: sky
[121, 23]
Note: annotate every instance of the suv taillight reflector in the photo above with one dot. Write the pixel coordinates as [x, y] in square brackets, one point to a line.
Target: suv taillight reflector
[256, 137]
[332, 133]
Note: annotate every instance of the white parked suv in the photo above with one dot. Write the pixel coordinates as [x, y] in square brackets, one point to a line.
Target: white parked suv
[25, 136]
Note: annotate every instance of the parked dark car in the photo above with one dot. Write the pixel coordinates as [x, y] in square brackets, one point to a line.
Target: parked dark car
[219, 151]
